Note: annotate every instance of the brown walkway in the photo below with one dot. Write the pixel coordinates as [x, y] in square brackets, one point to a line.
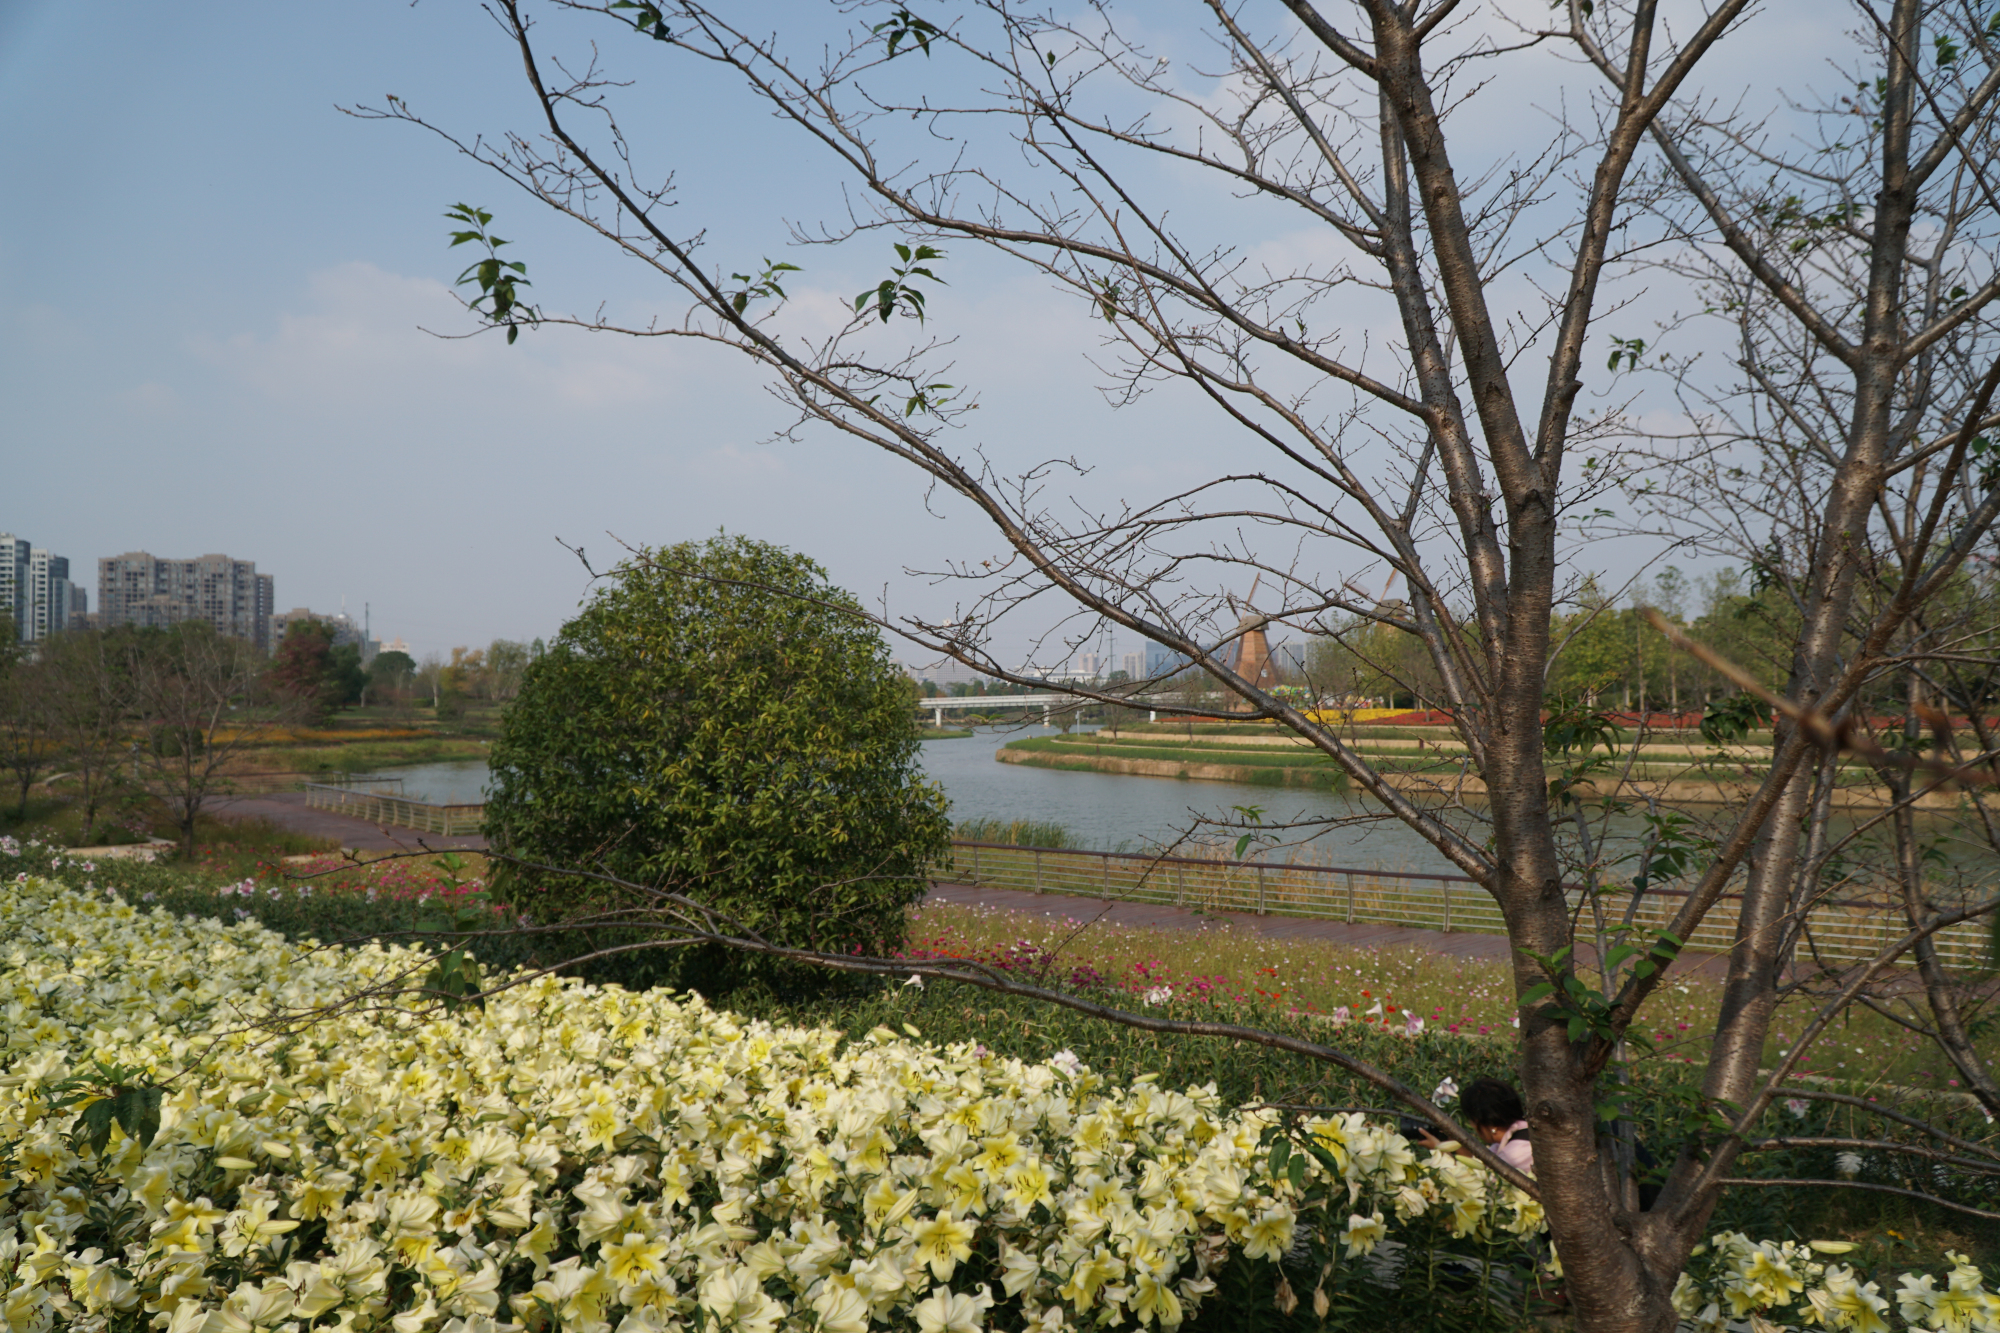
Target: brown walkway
[289, 810]
[1150, 916]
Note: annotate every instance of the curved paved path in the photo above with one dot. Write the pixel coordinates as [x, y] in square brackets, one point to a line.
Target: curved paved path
[288, 809]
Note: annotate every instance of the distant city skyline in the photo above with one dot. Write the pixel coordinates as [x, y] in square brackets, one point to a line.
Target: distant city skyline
[26, 566]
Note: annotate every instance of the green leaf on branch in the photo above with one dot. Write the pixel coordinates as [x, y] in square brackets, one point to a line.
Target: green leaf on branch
[646, 18]
[499, 281]
[895, 292]
[903, 25]
[930, 398]
[1252, 814]
[762, 287]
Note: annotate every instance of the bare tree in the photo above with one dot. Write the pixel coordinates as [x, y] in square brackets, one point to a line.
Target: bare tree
[195, 706]
[1457, 460]
[88, 698]
[27, 749]
[1847, 464]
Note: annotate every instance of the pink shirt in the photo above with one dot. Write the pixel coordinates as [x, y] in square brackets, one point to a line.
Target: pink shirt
[1517, 1153]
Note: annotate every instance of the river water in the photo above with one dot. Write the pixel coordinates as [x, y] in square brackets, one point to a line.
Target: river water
[1116, 812]
[1101, 810]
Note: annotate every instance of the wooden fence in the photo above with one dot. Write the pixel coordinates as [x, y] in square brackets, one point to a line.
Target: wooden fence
[376, 808]
[1844, 930]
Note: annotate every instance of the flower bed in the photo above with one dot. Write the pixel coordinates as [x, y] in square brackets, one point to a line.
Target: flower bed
[594, 1159]
[601, 1158]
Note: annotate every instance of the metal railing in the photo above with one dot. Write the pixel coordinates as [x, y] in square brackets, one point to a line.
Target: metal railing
[259, 784]
[447, 820]
[1844, 930]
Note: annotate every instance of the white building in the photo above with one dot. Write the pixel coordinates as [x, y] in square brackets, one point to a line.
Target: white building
[35, 591]
[48, 594]
[14, 581]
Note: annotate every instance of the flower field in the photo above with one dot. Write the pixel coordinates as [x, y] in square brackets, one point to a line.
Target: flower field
[597, 1159]
[585, 1158]
[1397, 988]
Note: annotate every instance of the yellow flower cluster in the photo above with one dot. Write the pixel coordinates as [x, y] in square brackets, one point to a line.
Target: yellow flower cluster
[1747, 1278]
[598, 1160]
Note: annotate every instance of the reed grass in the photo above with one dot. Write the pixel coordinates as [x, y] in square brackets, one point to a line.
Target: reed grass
[1016, 832]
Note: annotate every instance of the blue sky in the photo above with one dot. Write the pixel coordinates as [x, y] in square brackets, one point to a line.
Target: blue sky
[214, 286]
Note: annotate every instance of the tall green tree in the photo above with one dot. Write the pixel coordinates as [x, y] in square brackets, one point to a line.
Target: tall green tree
[312, 668]
[390, 674]
[721, 721]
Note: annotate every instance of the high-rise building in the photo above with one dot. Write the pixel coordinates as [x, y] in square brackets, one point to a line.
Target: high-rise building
[48, 594]
[137, 589]
[35, 591]
[14, 581]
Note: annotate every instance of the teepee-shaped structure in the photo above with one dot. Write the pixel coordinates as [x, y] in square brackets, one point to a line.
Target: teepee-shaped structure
[1250, 651]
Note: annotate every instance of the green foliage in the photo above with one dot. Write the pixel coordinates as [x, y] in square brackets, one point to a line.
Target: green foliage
[764, 287]
[895, 293]
[722, 722]
[902, 26]
[499, 280]
[646, 18]
[310, 667]
[1733, 718]
[109, 1094]
[1575, 729]
[391, 668]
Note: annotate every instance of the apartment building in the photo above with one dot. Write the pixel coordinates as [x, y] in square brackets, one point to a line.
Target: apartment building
[139, 589]
[14, 581]
[48, 593]
[35, 591]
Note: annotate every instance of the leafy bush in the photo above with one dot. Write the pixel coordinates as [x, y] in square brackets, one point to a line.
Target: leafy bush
[723, 722]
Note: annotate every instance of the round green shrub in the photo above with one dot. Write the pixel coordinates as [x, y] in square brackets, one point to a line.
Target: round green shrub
[720, 721]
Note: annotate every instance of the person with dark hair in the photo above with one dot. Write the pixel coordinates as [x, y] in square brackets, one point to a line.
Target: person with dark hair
[1495, 1113]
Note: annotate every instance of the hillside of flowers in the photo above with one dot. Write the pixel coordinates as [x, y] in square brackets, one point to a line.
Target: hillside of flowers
[564, 1156]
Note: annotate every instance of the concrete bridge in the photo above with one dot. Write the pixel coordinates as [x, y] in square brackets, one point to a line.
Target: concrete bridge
[1048, 703]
